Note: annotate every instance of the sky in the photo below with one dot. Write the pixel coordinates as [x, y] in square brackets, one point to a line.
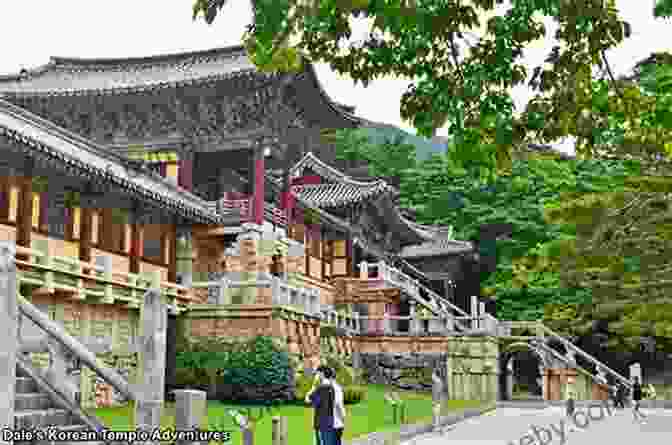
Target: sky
[132, 28]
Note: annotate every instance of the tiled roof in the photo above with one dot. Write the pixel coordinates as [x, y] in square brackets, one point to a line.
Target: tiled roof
[312, 162]
[338, 194]
[70, 76]
[435, 248]
[83, 157]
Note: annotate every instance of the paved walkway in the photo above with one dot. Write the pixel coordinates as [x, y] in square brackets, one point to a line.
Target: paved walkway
[508, 425]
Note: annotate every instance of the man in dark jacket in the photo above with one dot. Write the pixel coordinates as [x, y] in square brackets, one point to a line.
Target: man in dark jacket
[321, 397]
[636, 400]
[620, 396]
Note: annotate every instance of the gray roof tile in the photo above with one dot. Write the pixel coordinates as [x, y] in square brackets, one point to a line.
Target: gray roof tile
[77, 76]
[336, 195]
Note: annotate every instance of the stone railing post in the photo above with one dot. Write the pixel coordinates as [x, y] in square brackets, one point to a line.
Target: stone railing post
[485, 322]
[413, 324]
[223, 294]
[9, 314]
[105, 261]
[279, 430]
[189, 411]
[383, 272]
[152, 360]
[386, 323]
[474, 312]
[356, 323]
[364, 270]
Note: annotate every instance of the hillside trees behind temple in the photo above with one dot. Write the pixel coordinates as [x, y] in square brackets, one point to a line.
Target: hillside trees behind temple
[525, 282]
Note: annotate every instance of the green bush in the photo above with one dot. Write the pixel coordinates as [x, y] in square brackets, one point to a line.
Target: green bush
[353, 394]
[255, 370]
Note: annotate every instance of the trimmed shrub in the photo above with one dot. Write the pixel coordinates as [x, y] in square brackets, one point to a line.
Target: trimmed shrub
[256, 370]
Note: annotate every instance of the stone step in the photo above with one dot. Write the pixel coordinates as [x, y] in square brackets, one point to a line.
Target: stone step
[40, 418]
[25, 385]
[32, 401]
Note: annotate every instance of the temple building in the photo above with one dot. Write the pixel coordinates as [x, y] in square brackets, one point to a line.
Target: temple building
[196, 174]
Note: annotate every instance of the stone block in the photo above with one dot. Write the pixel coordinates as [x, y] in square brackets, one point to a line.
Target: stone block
[190, 407]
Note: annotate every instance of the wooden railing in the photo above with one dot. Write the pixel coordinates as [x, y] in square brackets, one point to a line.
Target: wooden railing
[108, 284]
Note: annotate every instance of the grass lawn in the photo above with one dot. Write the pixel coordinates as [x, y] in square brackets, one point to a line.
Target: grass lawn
[372, 414]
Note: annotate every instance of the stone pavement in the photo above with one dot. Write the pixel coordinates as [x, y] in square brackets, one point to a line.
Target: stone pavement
[509, 425]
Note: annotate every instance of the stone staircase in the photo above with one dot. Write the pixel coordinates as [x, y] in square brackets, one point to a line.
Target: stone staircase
[36, 411]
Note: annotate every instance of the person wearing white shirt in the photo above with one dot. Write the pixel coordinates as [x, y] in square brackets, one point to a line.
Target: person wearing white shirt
[339, 408]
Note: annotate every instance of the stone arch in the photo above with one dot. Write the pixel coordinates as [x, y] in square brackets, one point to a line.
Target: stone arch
[506, 355]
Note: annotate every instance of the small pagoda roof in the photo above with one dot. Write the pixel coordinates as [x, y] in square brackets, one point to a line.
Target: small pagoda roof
[339, 190]
[338, 195]
[82, 157]
[311, 162]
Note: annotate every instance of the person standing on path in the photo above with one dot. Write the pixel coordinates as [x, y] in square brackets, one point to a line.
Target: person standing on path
[321, 397]
[636, 401]
[339, 408]
[570, 407]
[620, 396]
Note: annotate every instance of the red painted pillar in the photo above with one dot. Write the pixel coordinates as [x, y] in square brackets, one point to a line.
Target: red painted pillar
[185, 173]
[259, 167]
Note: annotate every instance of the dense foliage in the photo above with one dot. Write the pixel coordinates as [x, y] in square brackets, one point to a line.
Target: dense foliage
[530, 281]
[462, 58]
[255, 370]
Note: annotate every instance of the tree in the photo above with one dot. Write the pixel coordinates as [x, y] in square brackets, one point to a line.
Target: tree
[623, 236]
[459, 78]
[663, 9]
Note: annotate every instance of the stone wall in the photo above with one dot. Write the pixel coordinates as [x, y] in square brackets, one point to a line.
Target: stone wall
[411, 371]
[299, 332]
[114, 322]
[472, 368]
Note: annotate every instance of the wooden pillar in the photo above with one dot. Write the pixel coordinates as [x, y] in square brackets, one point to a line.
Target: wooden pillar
[349, 252]
[136, 246]
[259, 179]
[172, 251]
[86, 229]
[185, 170]
[24, 220]
[323, 257]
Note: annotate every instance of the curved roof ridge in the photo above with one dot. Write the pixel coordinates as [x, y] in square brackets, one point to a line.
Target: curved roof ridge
[142, 60]
[329, 172]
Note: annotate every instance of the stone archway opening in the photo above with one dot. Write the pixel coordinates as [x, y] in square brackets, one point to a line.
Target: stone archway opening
[521, 375]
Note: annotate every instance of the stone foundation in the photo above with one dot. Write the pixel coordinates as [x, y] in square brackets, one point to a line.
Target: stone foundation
[405, 371]
[472, 368]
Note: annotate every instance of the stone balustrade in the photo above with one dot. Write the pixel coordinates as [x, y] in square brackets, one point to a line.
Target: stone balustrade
[305, 299]
[71, 275]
